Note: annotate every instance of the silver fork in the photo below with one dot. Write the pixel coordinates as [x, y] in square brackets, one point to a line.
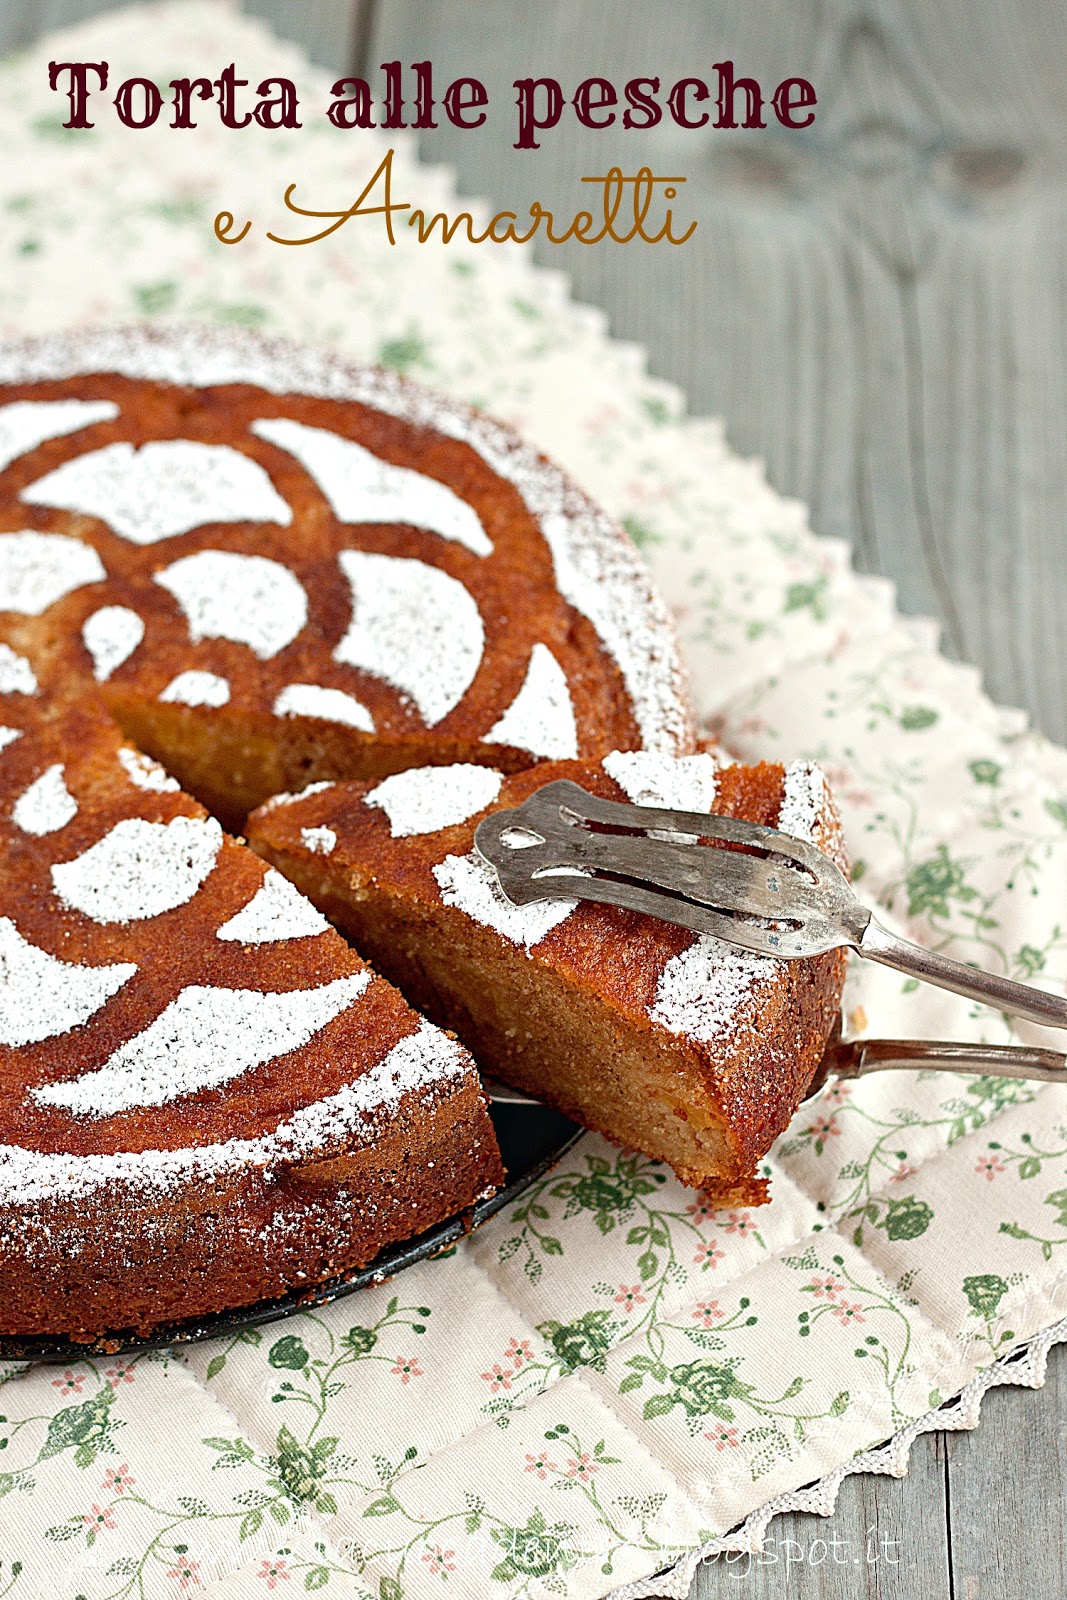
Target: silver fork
[769, 893]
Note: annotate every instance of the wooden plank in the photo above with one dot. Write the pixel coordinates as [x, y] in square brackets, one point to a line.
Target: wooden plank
[23, 21]
[876, 309]
[888, 1537]
[1007, 1485]
[977, 1518]
[328, 31]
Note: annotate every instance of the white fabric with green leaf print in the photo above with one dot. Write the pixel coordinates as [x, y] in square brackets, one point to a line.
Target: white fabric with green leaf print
[609, 1377]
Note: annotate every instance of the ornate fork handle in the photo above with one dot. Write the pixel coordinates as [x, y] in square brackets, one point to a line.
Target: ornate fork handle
[1020, 999]
[770, 893]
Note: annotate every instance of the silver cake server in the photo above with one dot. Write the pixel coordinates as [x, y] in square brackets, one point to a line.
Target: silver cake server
[767, 892]
[863, 1056]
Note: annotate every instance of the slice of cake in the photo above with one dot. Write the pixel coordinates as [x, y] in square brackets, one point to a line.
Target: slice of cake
[278, 567]
[677, 1045]
[206, 1098]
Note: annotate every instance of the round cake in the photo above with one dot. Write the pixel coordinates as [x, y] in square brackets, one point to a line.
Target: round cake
[279, 568]
[264, 567]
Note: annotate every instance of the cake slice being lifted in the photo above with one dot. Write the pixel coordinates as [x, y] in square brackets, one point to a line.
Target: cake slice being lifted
[206, 1098]
[674, 1044]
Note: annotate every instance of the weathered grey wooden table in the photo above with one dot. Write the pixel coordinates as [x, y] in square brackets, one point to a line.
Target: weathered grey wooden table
[876, 308]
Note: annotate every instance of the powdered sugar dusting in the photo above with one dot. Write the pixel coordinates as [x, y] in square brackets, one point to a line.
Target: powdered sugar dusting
[320, 841]
[414, 626]
[41, 996]
[165, 488]
[701, 991]
[46, 806]
[598, 576]
[363, 488]
[805, 801]
[331, 705]
[541, 717]
[467, 883]
[684, 783]
[426, 799]
[16, 674]
[139, 869]
[146, 773]
[27, 423]
[347, 1119]
[8, 736]
[810, 812]
[284, 799]
[277, 910]
[204, 1038]
[196, 688]
[422, 1058]
[37, 569]
[111, 635]
[249, 599]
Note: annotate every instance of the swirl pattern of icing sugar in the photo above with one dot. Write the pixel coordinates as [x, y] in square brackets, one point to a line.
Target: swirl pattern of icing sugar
[139, 869]
[204, 1038]
[320, 841]
[248, 599]
[146, 773]
[41, 996]
[330, 705]
[419, 1063]
[197, 688]
[421, 1058]
[604, 576]
[541, 717]
[276, 911]
[361, 487]
[27, 423]
[163, 489]
[467, 883]
[427, 799]
[701, 990]
[37, 569]
[111, 635]
[414, 626]
[16, 674]
[46, 806]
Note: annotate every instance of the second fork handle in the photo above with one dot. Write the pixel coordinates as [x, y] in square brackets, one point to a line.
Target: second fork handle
[863, 1056]
[878, 944]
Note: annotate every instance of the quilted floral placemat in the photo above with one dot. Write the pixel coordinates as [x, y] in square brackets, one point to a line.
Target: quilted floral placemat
[611, 1377]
